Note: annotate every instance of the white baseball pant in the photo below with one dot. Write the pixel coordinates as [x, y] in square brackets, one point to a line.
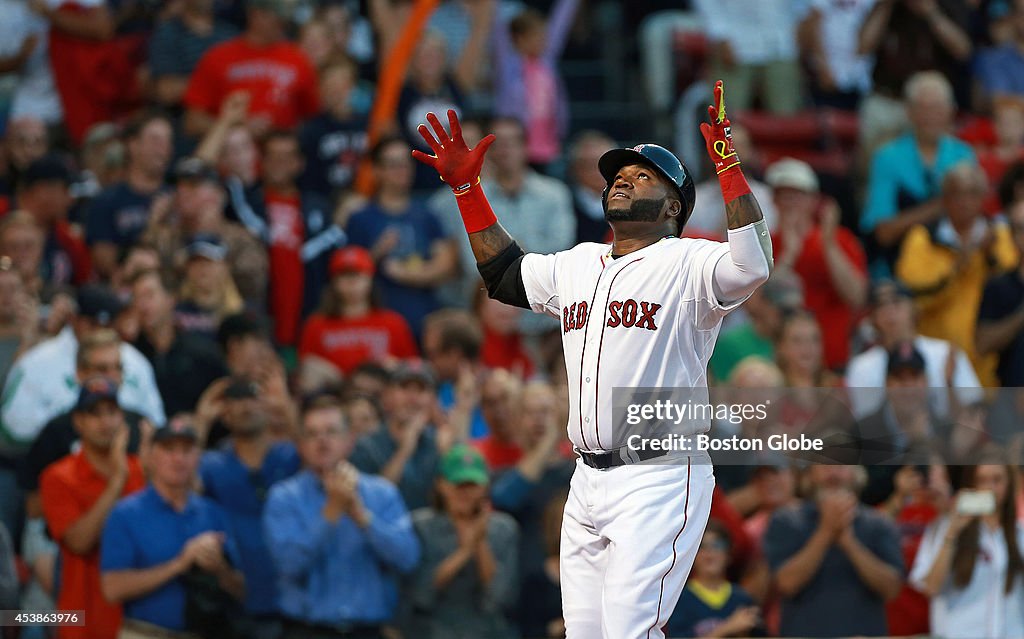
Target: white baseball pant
[629, 538]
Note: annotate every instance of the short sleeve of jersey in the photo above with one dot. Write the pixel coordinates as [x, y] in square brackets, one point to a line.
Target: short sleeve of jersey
[697, 283]
[541, 283]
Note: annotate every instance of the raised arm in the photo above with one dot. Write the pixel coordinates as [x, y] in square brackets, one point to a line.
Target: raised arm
[750, 245]
[498, 256]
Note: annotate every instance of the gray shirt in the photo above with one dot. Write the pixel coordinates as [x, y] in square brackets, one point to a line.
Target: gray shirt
[539, 216]
[465, 609]
[835, 602]
[373, 452]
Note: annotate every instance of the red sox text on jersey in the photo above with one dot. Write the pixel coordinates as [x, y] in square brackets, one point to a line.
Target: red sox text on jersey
[626, 313]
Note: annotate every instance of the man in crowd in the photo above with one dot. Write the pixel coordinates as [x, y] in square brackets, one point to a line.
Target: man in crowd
[500, 405]
[588, 184]
[906, 174]
[405, 450]
[905, 422]
[834, 562]
[177, 45]
[42, 384]
[947, 368]
[1001, 315]
[238, 475]
[184, 364]
[159, 540]
[99, 355]
[200, 200]
[948, 262]
[298, 232]
[43, 192]
[78, 492]
[827, 257]
[333, 142]
[277, 75]
[452, 340]
[337, 537]
[118, 216]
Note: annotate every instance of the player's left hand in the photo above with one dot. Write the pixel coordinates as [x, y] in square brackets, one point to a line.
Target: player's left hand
[718, 134]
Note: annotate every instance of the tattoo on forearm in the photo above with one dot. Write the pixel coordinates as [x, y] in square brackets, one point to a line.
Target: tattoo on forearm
[489, 242]
[742, 211]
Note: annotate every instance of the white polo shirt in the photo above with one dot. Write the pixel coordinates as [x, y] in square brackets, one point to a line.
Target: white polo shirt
[983, 608]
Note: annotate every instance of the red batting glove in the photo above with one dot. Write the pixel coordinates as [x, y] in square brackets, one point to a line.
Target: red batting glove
[457, 164]
[459, 167]
[718, 138]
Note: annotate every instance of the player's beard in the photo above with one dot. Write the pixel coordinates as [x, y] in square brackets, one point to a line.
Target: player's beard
[640, 210]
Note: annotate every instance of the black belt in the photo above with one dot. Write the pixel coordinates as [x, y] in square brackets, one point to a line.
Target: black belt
[619, 457]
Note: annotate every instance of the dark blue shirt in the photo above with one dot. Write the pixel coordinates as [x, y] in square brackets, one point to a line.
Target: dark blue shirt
[118, 215]
[175, 49]
[144, 531]
[333, 149]
[694, 617]
[1001, 70]
[1003, 297]
[417, 231]
[241, 492]
[337, 574]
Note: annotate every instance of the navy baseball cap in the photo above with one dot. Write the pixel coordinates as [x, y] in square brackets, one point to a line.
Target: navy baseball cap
[177, 428]
[49, 168]
[95, 390]
[887, 289]
[905, 357]
[414, 370]
[207, 245]
[99, 303]
[194, 170]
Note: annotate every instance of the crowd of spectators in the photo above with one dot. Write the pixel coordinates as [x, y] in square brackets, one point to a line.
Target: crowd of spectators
[252, 386]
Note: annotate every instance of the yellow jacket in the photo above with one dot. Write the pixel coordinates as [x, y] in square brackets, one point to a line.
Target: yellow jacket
[947, 293]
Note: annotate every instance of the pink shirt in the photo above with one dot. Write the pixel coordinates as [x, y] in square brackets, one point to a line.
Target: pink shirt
[541, 112]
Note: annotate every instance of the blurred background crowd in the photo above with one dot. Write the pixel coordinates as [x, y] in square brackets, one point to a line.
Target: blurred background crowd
[252, 386]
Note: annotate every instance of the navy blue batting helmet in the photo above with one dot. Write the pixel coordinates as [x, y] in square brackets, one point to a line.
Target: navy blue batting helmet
[661, 160]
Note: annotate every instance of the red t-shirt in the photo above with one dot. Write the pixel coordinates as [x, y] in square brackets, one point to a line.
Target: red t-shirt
[497, 454]
[835, 318]
[287, 274]
[506, 351]
[78, 253]
[68, 489]
[281, 81]
[907, 614]
[348, 342]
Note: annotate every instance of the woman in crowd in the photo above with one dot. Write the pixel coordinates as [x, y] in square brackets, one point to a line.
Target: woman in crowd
[467, 582]
[970, 562]
[208, 292]
[350, 328]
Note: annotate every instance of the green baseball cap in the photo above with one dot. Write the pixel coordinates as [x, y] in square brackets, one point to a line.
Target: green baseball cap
[283, 8]
[464, 465]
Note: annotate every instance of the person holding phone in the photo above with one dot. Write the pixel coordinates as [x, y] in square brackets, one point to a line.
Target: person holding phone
[970, 562]
[467, 582]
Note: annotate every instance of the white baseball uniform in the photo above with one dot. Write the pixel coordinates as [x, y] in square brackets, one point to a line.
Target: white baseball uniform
[647, 319]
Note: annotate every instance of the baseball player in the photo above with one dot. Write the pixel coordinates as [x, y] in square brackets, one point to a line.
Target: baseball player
[641, 312]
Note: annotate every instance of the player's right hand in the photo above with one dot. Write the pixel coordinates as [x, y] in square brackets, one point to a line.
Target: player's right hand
[457, 164]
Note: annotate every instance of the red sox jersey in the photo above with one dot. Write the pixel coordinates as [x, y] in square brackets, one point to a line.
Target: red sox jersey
[647, 319]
